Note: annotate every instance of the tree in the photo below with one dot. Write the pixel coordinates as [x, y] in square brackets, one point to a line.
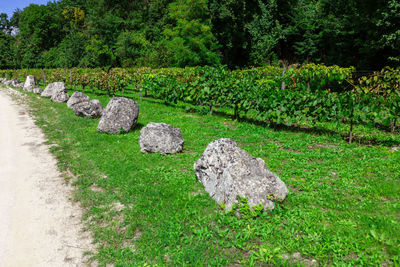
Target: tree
[350, 34]
[388, 23]
[97, 53]
[39, 30]
[307, 31]
[266, 32]
[229, 19]
[237, 33]
[71, 50]
[7, 53]
[189, 41]
[132, 48]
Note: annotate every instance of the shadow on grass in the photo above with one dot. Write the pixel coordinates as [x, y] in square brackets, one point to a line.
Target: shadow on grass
[362, 140]
[122, 132]
[135, 129]
[138, 127]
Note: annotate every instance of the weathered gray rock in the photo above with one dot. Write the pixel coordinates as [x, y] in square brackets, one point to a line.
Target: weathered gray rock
[14, 82]
[9, 82]
[37, 90]
[20, 85]
[29, 83]
[92, 109]
[53, 88]
[121, 114]
[60, 97]
[160, 137]
[77, 97]
[227, 171]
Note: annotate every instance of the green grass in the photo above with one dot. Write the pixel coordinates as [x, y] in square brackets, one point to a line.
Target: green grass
[343, 206]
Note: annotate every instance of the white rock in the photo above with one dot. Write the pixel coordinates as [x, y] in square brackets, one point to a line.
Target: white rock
[29, 84]
[227, 171]
[160, 137]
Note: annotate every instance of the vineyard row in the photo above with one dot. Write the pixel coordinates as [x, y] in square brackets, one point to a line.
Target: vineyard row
[269, 94]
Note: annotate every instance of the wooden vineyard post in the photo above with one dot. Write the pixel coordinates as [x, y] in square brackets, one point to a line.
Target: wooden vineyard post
[283, 85]
[351, 131]
[70, 79]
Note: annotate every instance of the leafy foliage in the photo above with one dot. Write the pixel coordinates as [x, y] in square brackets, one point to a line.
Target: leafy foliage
[312, 93]
[172, 33]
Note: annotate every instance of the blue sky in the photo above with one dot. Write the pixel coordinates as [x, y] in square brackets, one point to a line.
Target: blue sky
[8, 6]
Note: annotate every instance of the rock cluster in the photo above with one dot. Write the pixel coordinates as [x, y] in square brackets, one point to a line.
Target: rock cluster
[120, 115]
[15, 82]
[84, 107]
[227, 171]
[160, 137]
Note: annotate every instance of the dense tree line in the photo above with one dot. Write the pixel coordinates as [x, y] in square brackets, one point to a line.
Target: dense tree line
[237, 33]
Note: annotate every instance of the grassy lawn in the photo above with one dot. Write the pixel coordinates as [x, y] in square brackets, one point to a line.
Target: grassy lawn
[343, 206]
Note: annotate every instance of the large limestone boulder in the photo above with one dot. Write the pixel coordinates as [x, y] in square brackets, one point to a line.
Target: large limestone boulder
[92, 109]
[29, 83]
[120, 115]
[53, 88]
[60, 97]
[77, 97]
[227, 171]
[160, 137]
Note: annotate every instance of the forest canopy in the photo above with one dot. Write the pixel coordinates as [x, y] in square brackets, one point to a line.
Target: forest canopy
[179, 33]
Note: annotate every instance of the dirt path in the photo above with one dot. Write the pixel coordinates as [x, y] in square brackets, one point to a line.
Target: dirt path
[39, 226]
